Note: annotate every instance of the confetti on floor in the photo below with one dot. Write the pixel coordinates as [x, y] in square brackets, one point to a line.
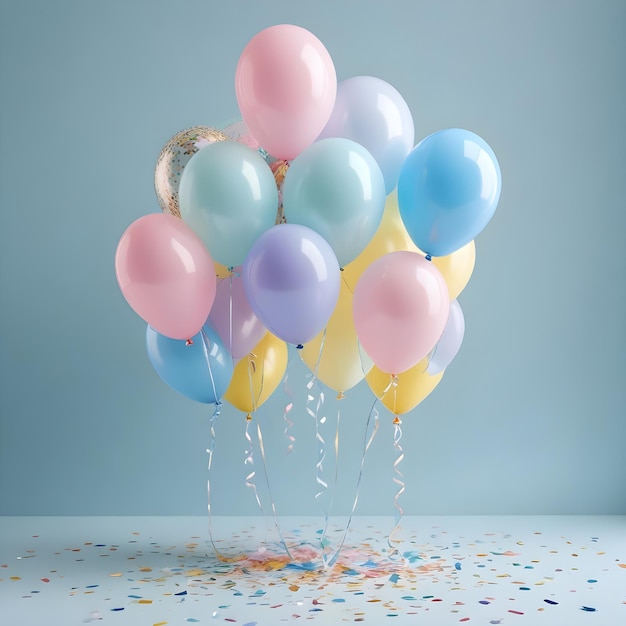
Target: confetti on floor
[163, 571]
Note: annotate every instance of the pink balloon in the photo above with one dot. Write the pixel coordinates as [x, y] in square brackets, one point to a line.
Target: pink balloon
[166, 274]
[233, 319]
[401, 306]
[286, 86]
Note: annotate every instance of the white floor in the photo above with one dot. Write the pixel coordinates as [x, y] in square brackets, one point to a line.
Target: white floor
[448, 570]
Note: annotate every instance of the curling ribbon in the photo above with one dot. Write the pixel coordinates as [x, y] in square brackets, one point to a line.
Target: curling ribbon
[291, 440]
[398, 479]
[250, 458]
[212, 444]
[319, 421]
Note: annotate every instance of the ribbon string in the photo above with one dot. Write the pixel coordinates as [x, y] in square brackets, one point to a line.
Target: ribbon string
[212, 442]
[398, 479]
[371, 428]
[289, 437]
[251, 370]
[269, 490]
[249, 461]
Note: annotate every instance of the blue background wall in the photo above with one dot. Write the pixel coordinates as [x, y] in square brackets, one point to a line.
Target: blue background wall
[529, 418]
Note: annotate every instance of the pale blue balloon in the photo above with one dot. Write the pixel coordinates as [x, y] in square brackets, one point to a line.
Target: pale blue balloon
[373, 113]
[228, 196]
[450, 341]
[201, 371]
[336, 188]
[448, 190]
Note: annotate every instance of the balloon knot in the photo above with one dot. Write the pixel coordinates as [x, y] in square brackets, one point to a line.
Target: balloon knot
[189, 342]
[340, 396]
[429, 258]
[248, 418]
[341, 269]
[396, 420]
[299, 346]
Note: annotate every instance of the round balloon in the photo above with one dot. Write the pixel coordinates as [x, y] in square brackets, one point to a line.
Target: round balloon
[371, 112]
[286, 85]
[335, 355]
[457, 268]
[256, 377]
[450, 342]
[201, 370]
[411, 388]
[391, 236]
[336, 188]
[166, 274]
[237, 325]
[401, 307]
[448, 190]
[291, 278]
[228, 196]
[172, 160]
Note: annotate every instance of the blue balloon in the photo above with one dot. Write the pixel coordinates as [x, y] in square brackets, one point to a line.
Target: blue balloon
[371, 112]
[448, 190]
[199, 373]
[336, 188]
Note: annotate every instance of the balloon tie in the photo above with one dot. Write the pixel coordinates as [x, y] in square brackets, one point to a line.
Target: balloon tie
[189, 342]
[371, 428]
[299, 347]
[428, 257]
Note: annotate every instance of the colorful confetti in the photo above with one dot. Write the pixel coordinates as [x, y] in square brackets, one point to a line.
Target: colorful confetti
[438, 576]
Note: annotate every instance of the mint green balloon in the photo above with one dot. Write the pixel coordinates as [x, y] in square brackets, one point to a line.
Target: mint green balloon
[228, 196]
[336, 188]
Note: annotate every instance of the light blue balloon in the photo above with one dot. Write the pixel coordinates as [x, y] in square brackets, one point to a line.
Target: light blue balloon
[450, 342]
[228, 196]
[448, 190]
[199, 373]
[336, 188]
[371, 112]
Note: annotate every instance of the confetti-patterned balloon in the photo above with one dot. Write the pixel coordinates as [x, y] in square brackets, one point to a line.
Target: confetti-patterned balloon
[172, 160]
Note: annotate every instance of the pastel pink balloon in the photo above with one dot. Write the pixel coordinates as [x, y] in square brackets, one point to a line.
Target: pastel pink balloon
[401, 306]
[233, 319]
[166, 274]
[286, 86]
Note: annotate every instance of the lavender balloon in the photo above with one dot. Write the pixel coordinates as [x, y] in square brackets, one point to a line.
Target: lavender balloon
[291, 278]
[450, 342]
[373, 113]
[233, 319]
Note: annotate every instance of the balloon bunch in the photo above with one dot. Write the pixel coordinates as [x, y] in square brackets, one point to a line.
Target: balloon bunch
[327, 227]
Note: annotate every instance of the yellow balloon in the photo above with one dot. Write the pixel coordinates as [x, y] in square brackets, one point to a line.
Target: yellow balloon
[391, 236]
[457, 268]
[340, 365]
[258, 375]
[413, 386]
